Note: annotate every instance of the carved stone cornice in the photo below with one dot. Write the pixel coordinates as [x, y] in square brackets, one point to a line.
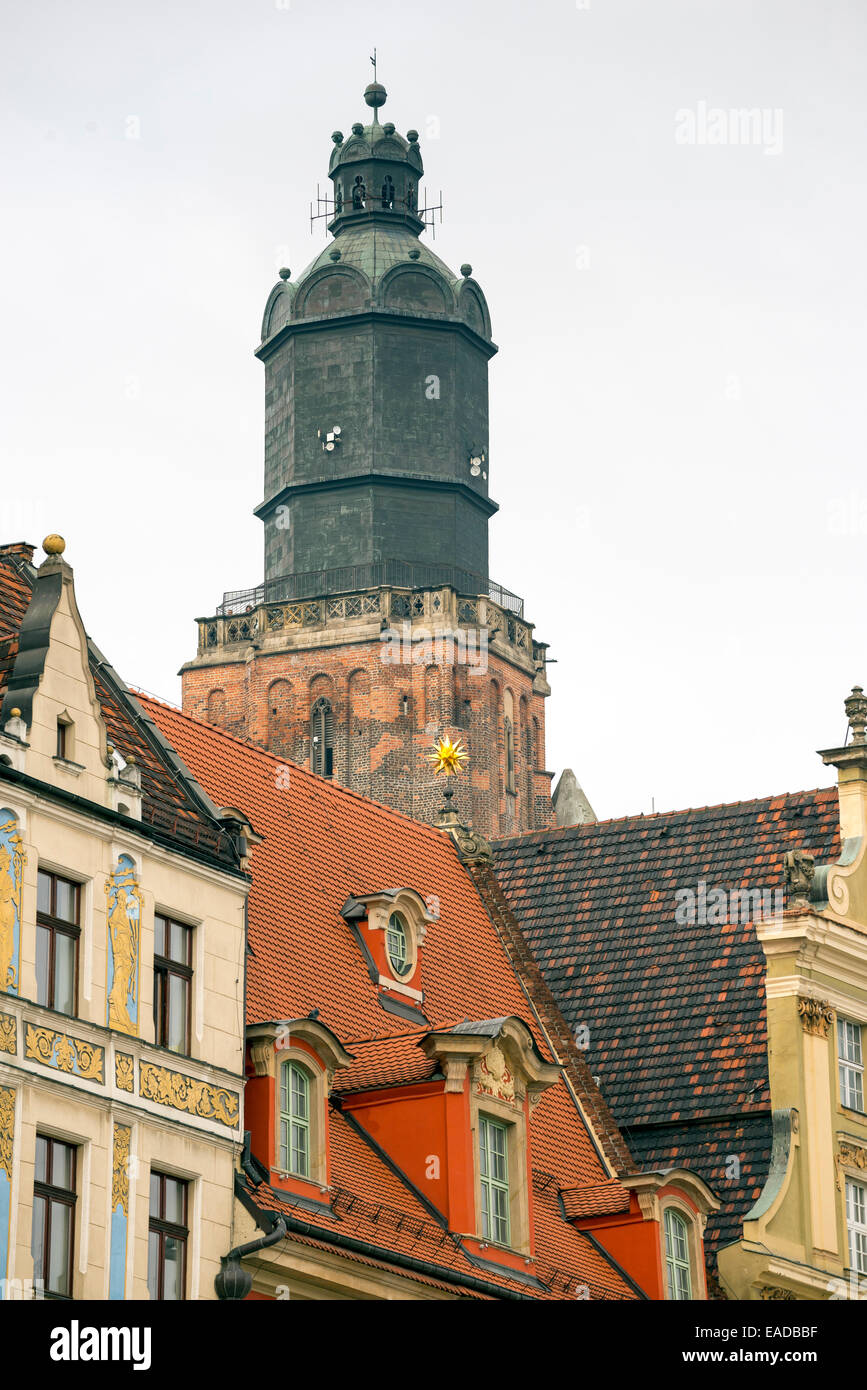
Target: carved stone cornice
[849, 1154]
[776, 1295]
[816, 1016]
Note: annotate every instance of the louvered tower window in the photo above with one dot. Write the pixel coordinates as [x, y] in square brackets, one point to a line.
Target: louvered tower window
[322, 738]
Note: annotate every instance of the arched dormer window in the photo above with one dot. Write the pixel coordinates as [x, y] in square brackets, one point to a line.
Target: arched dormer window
[388, 192]
[359, 194]
[677, 1261]
[322, 738]
[294, 1120]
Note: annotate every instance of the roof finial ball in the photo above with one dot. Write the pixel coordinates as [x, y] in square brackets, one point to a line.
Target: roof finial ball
[54, 545]
[855, 706]
[375, 95]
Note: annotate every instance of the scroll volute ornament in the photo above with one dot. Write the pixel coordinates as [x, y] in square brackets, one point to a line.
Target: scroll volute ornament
[816, 1016]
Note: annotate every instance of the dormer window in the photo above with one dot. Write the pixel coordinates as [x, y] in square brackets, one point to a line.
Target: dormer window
[293, 1063]
[397, 945]
[294, 1120]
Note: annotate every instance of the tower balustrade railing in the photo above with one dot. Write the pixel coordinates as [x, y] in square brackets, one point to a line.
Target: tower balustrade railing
[348, 579]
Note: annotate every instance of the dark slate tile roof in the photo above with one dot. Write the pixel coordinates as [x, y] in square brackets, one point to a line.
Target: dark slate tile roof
[675, 1012]
[708, 1148]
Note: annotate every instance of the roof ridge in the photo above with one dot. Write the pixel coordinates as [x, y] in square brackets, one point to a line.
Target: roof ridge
[551, 831]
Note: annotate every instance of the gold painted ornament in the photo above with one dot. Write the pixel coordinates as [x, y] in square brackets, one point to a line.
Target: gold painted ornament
[447, 757]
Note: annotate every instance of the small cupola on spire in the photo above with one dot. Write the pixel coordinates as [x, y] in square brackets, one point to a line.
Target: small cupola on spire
[376, 172]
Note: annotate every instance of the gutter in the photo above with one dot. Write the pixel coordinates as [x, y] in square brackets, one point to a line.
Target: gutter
[294, 1226]
[235, 1283]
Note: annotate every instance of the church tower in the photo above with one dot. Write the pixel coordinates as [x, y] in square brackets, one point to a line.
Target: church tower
[377, 627]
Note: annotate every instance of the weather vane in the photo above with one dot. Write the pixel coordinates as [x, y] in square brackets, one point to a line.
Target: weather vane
[373, 60]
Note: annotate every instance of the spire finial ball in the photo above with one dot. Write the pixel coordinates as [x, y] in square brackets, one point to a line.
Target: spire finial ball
[466, 270]
[284, 272]
[54, 545]
[412, 136]
[375, 95]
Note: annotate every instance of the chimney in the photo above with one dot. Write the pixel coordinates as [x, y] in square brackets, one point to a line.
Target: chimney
[19, 550]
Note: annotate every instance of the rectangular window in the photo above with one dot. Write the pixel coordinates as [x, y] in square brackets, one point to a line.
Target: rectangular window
[851, 1064]
[173, 975]
[494, 1171]
[856, 1221]
[167, 1238]
[58, 904]
[53, 1216]
[61, 739]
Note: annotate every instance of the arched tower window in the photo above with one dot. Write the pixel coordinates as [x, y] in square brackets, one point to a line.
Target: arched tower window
[388, 192]
[510, 754]
[279, 716]
[338, 200]
[359, 193]
[410, 197]
[509, 740]
[322, 738]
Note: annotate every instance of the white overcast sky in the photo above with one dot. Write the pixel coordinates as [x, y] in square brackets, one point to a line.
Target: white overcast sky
[677, 438]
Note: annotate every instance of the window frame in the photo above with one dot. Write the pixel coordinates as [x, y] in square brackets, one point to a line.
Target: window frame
[489, 1184]
[849, 1068]
[671, 1261]
[290, 1067]
[856, 1226]
[51, 923]
[164, 1229]
[164, 967]
[52, 1195]
[409, 955]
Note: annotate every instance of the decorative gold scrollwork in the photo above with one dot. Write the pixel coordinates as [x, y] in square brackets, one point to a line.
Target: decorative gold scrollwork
[65, 1053]
[124, 1072]
[8, 1033]
[7, 1128]
[120, 1169]
[185, 1093]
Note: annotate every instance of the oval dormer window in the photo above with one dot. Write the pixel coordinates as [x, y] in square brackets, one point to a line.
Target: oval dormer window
[397, 945]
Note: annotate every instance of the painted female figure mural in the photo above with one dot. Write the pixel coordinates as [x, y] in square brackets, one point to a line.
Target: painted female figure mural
[11, 863]
[124, 923]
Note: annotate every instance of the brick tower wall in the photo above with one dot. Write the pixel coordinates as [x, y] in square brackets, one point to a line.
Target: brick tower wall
[387, 713]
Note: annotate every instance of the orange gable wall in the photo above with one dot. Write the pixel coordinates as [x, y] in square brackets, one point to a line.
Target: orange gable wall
[418, 1124]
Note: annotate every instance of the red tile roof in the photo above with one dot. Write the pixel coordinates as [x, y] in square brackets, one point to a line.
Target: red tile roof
[321, 845]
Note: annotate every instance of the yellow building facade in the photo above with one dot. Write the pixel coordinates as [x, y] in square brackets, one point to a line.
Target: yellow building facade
[122, 937]
[806, 1237]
